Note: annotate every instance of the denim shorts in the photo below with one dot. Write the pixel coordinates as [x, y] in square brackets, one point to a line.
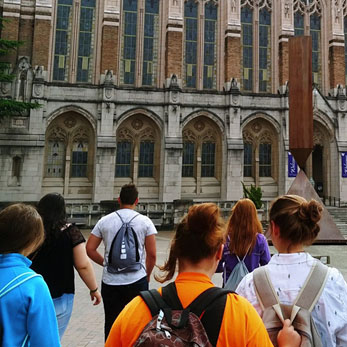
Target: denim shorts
[63, 309]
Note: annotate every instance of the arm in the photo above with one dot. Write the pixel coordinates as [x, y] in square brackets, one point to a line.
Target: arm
[86, 272]
[288, 337]
[151, 254]
[92, 246]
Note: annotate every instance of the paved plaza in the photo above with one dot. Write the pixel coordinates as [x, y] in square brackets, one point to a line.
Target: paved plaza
[87, 323]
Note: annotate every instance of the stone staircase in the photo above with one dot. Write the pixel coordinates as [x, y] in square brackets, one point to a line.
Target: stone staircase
[339, 215]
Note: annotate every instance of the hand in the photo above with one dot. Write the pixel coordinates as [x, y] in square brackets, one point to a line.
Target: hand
[288, 337]
[96, 297]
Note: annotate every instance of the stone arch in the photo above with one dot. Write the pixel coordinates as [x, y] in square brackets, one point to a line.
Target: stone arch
[265, 116]
[208, 114]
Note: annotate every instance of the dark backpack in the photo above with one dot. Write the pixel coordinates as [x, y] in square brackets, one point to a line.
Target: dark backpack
[299, 313]
[124, 252]
[171, 325]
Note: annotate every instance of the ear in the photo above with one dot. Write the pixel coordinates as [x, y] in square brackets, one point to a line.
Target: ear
[219, 253]
[275, 230]
[119, 202]
[136, 201]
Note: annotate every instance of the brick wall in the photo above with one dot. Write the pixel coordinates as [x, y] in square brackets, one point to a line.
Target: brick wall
[336, 65]
[283, 57]
[42, 32]
[109, 50]
[26, 35]
[232, 58]
[11, 32]
[174, 56]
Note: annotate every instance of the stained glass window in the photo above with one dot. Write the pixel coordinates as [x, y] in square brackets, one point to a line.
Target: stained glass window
[86, 41]
[248, 160]
[208, 152]
[79, 160]
[55, 159]
[299, 28]
[210, 52]
[127, 69]
[265, 160]
[150, 44]
[345, 22]
[62, 41]
[191, 42]
[123, 159]
[146, 161]
[247, 48]
[315, 32]
[264, 50]
[188, 159]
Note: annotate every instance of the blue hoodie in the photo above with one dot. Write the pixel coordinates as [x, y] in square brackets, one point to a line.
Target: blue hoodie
[27, 309]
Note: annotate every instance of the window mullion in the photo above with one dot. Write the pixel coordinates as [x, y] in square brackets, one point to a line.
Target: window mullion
[74, 41]
[200, 46]
[256, 50]
[139, 43]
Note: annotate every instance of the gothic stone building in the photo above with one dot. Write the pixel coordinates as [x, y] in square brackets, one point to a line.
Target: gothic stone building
[185, 98]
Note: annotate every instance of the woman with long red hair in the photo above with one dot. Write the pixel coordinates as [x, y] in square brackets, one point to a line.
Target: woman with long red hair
[245, 240]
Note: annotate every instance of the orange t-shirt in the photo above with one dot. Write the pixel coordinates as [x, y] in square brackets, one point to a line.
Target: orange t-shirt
[241, 324]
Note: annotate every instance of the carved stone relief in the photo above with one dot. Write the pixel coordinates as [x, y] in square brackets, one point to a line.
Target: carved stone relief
[137, 124]
[57, 133]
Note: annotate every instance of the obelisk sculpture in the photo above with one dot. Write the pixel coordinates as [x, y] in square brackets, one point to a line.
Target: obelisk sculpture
[301, 129]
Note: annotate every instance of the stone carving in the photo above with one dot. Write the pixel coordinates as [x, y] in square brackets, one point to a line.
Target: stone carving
[287, 10]
[5, 87]
[247, 137]
[189, 135]
[210, 135]
[174, 82]
[266, 137]
[57, 133]
[38, 73]
[199, 125]
[125, 134]
[309, 7]
[38, 90]
[137, 124]
[147, 134]
[109, 77]
[318, 137]
[70, 122]
[256, 127]
[81, 134]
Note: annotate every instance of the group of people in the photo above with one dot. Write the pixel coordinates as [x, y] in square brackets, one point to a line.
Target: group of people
[40, 241]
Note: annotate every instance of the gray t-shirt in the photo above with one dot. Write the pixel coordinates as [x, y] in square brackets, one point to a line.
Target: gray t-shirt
[106, 229]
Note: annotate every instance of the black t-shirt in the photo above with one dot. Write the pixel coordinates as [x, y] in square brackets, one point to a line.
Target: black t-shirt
[54, 261]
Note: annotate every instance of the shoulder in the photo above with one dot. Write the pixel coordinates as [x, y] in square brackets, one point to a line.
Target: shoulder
[261, 238]
[335, 285]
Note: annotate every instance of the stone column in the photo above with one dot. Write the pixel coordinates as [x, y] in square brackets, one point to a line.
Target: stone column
[171, 177]
[42, 33]
[106, 143]
[110, 28]
[233, 41]
[174, 40]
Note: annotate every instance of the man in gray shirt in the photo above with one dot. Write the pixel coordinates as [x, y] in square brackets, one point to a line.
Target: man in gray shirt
[118, 289]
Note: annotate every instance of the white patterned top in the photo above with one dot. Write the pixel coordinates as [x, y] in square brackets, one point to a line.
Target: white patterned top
[288, 273]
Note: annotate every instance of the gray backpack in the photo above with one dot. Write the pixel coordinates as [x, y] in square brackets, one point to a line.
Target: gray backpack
[299, 313]
[124, 252]
[238, 273]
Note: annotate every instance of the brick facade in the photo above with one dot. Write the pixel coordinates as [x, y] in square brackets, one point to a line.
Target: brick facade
[26, 36]
[336, 65]
[174, 55]
[109, 56]
[41, 45]
[283, 62]
[232, 58]
[10, 31]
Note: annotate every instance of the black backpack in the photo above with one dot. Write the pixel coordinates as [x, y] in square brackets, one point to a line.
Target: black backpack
[171, 325]
[124, 252]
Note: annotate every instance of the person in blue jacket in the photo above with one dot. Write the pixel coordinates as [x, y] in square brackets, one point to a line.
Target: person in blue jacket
[27, 316]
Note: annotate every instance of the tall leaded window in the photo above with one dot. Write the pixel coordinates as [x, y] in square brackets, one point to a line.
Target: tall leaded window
[264, 49]
[146, 161]
[247, 48]
[265, 160]
[345, 31]
[188, 159]
[75, 19]
[256, 24]
[191, 42]
[210, 49]
[307, 21]
[208, 154]
[79, 159]
[144, 49]
[123, 159]
[55, 159]
[200, 44]
[248, 160]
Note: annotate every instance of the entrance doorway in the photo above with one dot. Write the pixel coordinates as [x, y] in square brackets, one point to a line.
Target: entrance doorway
[317, 169]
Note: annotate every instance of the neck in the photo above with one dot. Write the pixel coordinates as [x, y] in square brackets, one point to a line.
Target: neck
[205, 266]
[131, 207]
[288, 248]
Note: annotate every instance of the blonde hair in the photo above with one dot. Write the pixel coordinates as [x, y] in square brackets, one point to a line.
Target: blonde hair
[199, 235]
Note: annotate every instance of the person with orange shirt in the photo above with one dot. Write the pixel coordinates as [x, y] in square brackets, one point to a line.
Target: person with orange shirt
[197, 248]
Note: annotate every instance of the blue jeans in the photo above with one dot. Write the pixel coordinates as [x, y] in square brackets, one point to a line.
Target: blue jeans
[63, 309]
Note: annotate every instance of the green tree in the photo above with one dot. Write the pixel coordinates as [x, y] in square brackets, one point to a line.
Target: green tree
[10, 107]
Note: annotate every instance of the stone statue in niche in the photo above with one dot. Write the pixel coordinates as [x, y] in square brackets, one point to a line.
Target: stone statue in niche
[24, 79]
[109, 77]
[38, 72]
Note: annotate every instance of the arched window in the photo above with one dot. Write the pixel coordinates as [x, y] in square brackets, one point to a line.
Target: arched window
[260, 154]
[256, 46]
[79, 160]
[307, 21]
[188, 159]
[74, 19]
[200, 31]
[55, 158]
[143, 48]
[123, 159]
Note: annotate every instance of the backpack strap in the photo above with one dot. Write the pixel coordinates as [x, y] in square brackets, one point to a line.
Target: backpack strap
[313, 287]
[265, 291]
[129, 220]
[7, 288]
